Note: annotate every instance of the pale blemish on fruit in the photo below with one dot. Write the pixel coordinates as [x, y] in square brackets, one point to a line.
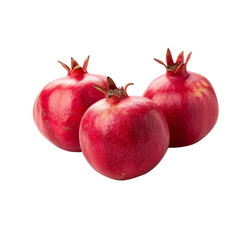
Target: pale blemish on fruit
[47, 123]
[203, 90]
[198, 84]
[67, 128]
[122, 175]
[200, 88]
[204, 83]
[43, 112]
[197, 93]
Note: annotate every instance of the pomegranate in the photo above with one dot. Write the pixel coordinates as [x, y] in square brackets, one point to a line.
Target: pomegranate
[123, 137]
[61, 104]
[187, 100]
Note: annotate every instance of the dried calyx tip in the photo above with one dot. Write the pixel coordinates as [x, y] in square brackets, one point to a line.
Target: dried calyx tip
[116, 92]
[112, 89]
[75, 65]
[101, 89]
[85, 64]
[65, 66]
[174, 66]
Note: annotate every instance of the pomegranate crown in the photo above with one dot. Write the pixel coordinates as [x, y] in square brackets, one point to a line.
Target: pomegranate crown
[176, 67]
[112, 89]
[75, 67]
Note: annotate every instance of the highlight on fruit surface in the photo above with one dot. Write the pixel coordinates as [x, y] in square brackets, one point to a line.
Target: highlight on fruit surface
[187, 100]
[59, 107]
[122, 136]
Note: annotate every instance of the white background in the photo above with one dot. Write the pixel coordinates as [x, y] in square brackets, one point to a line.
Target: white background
[47, 193]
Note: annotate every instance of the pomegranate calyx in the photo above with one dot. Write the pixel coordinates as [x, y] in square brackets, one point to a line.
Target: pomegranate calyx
[101, 89]
[113, 90]
[119, 92]
[110, 84]
[116, 92]
[161, 62]
[180, 58]
[175, 67]
[188, 57]
[73, 63]
[169, 59]
[126, 86]
[75, 67]
[85, 64]
[65, 66]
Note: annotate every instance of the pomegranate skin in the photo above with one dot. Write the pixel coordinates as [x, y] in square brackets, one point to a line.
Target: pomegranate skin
[124, 139]
[59, 107]
[188, 102]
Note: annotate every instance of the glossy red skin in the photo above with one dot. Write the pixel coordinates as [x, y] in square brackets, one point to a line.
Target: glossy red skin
[60, 106]
[124, 140]
[189, 104]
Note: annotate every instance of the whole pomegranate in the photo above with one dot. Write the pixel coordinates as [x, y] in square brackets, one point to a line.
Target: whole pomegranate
[61, 104]
[123, 137]
[187, 100]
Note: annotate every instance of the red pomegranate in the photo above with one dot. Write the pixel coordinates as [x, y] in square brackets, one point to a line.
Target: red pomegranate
[187, 100]
[61, 104]
[123, 137]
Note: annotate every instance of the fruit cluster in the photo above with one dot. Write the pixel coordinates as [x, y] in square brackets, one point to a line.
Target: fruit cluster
[123, 136]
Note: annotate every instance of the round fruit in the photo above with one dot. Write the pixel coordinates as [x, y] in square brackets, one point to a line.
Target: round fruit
[61, 104]
[123, 137]
[187, 100]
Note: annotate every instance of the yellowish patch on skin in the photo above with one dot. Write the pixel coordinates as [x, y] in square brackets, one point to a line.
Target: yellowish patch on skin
[109, 110]
[198, 84]
[122, 175]
[200, 88]
[197, 93]
[203, 90]
[204, 83]
[67, 128]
